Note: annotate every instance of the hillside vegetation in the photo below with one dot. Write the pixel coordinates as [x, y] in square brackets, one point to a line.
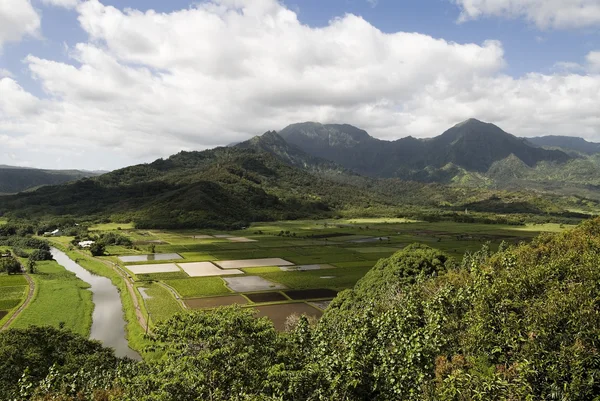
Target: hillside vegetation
[18, 179]
[518, 324]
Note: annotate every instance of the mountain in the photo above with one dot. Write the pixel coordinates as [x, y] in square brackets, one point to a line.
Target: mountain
[271, 142]
[17, 179]
[566, 143]
[471, 145]
[222, 187]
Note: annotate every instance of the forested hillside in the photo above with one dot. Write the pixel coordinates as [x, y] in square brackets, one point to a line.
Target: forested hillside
[471, 146]
[518, 324]
[222, 187]
[17, 179]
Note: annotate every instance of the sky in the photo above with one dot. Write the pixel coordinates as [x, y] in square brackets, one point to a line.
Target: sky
[102, 84]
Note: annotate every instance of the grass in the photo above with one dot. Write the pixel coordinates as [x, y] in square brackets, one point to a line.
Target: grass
[12, 280]
[364, 264]
[199, 287]
[111, 226]
[161, 303]
[343, 278]
[12, 292]
[135, 333]
[161, 276]
[60, 297]
[258, 270]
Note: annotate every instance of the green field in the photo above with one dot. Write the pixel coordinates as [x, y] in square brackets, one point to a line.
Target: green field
[351, 246]
[160, 303]
[111, 226]
[59, 298]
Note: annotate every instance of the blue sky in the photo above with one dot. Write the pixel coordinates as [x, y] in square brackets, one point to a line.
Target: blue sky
[510, 62]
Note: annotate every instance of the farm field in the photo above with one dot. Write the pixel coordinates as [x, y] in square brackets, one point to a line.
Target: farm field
[60, 299]
[13, 290]
[274, 262]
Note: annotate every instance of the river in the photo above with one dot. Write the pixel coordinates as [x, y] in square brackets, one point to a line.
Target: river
[108, 324]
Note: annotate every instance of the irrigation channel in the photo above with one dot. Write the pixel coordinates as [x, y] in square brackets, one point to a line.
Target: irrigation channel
[108, 325]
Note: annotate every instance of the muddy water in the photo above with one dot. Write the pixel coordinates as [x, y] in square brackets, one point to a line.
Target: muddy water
[108, 324]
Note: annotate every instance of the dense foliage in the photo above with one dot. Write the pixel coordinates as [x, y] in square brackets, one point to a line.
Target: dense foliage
[42, 359]
[519, 324]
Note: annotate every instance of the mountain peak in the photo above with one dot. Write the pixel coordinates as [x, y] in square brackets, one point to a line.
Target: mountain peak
[470, 121]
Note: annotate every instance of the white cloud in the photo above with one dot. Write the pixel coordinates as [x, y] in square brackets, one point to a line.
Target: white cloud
[149, 84]
[558, 14]
[17, 19]
[593, 61]
[4, 73]
[373, 3]
[62, 3]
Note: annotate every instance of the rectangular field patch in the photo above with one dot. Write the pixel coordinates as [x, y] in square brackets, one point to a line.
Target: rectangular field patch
[206, 269]
[158, 268]
[147, 258]
[251, 283]
[280, 313]
[201, 303]
[304, 268]
[242, 263]
[241, 239]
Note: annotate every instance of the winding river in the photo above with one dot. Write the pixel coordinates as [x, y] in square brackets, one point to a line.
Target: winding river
[108, 325]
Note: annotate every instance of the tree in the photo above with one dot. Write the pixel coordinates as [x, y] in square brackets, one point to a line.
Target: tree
[40, 254]
[10, 265]
[152, 248]
[31, 265]
[97, 249]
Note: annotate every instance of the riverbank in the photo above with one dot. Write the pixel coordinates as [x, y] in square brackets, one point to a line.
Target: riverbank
[133, 329]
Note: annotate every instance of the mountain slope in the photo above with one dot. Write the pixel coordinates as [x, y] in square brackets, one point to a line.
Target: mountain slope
[222, 187]
[566, 143]
[471, 145]
[273, 143]
[18, 179]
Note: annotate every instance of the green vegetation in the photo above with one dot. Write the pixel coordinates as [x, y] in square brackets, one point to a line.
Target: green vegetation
[337, 279]
[60, 300]
[135, 333]
[517, 324]
[199, 286]
[59, 356]
[160, 302]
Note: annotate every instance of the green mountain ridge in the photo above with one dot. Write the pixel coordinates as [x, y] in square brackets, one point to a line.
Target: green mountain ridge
[566, 143]
[471, 145]
[15, 179]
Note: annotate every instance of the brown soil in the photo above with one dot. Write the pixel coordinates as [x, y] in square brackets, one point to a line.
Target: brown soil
[279, 313]
[266, 297]
[310, 294]
[213, 302]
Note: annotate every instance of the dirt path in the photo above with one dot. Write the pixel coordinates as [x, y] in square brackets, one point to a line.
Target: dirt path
[23, 305]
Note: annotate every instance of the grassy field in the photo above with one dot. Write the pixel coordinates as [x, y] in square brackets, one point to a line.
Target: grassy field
[111, 226]
[351, 246]
[160, 303]
[59, 298]
[199, 286]
[13, 290]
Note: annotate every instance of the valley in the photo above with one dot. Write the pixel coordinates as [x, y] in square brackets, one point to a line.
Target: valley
[272, 252]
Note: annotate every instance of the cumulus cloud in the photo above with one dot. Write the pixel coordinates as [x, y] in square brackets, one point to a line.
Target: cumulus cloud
[18, 18]
[149, 84]
[559, 14]
[593, 61]
[62, 3]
